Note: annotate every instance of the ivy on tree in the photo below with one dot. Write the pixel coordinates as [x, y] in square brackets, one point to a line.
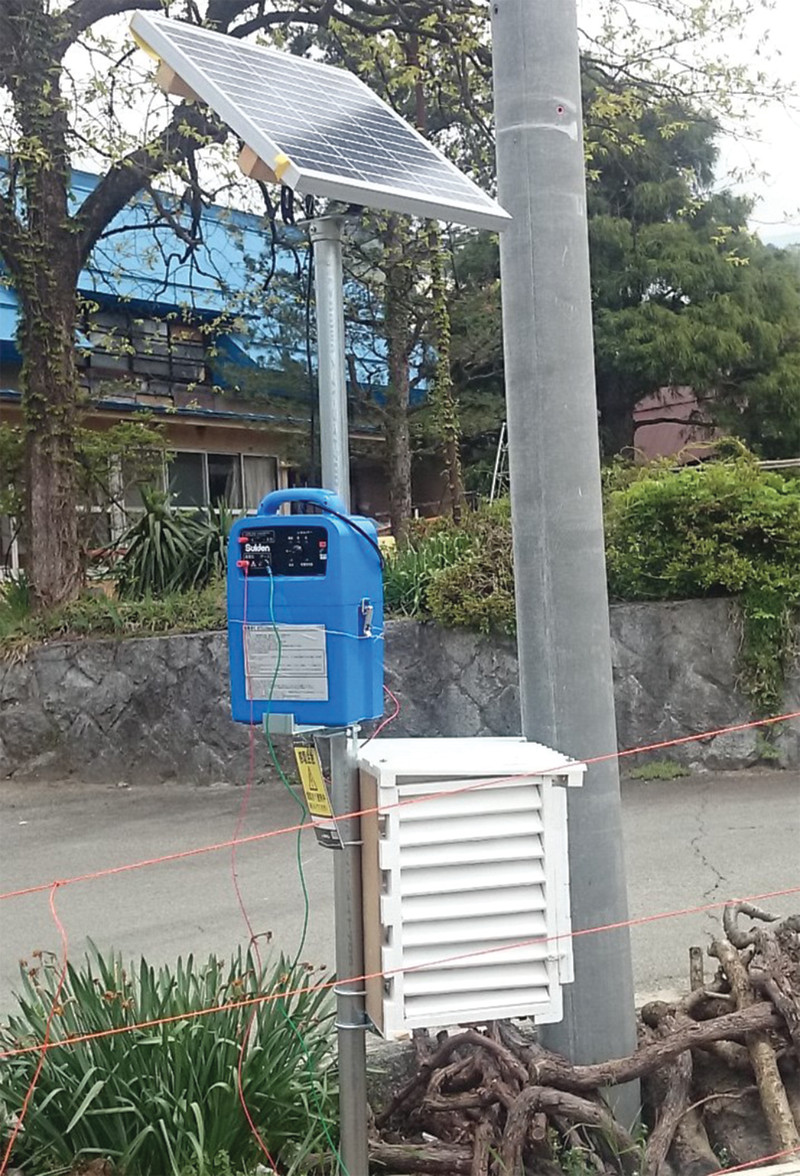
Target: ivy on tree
[438, 56]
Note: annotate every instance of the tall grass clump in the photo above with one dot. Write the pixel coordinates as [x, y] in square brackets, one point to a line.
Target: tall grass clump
[164, 1100]
[408, 573]
[168, 551]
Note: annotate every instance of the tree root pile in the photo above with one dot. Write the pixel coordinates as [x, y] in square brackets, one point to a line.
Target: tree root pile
[720, 1075]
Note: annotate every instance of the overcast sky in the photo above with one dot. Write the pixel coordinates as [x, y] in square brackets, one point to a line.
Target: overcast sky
[770, 154]
[775, 148]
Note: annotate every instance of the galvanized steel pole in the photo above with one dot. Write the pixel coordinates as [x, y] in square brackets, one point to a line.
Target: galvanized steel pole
[562, 606]
[326, 237]
[350, 1015]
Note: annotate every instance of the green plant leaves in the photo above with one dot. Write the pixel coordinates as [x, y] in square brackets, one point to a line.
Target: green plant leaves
[726, 528]
[169, 551]
[408, 574]
[165, 1099]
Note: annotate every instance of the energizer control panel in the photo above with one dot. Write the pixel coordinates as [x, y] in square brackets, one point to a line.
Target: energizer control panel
[284, 551]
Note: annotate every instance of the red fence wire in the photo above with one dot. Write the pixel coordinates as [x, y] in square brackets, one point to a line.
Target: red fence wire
[181, 855]
[284, 994]
[43, 1047]
[752, 1165]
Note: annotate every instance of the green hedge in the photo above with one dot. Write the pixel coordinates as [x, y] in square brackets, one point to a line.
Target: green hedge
[725, 528]
[720, 529]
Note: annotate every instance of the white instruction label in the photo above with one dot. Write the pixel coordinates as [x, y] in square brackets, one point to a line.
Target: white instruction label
[298, 652]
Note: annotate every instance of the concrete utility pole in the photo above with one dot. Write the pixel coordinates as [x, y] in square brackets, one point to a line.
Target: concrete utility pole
[351, 1019]
[562, 605]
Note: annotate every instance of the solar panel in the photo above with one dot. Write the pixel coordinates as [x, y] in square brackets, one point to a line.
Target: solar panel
[317, 128]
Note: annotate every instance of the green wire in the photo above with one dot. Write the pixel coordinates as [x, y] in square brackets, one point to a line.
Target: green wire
[301, 873]
[297, 800]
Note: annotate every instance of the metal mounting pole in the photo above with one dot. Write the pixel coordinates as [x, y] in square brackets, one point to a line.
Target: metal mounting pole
[350, 1015]
[326, 237]
[562, 606]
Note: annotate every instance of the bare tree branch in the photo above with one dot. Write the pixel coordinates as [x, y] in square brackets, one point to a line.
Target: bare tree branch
[189, 129]
[82, 14]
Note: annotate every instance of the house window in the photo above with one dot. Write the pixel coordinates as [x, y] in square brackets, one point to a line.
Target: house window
[260, 477]
[238, 480]
[225, 479]
[187, 479]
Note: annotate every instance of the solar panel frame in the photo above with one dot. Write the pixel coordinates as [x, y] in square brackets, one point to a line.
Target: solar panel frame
[291, 154]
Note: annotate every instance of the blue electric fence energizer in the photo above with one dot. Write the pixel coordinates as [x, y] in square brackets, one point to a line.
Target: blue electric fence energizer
[305, 613]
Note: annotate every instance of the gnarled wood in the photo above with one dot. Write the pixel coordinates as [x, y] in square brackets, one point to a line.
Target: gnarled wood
[500, 1092]
[769, 972]
[778, 1113]
[574, 1109]
[675, 1102]
[436, 1159]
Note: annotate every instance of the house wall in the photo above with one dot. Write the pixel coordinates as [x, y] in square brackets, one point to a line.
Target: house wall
[671, 422]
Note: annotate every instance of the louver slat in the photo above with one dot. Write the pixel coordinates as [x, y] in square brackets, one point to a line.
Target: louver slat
[466, 907]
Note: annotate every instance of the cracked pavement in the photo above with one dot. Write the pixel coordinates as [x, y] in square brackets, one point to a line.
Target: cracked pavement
[689, 841]
[703, 839]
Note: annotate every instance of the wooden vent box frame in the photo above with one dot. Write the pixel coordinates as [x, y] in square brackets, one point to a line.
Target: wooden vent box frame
[466, 881]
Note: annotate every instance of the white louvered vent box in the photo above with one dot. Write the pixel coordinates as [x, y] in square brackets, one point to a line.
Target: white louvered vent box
[466, 883]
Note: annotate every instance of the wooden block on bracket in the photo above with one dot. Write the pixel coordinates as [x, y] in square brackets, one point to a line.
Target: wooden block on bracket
[253, 166]
[171, 83]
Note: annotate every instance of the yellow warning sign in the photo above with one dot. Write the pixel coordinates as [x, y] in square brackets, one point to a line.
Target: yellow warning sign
[314, 788]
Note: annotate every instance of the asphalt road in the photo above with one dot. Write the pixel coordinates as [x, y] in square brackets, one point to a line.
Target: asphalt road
[687, 842]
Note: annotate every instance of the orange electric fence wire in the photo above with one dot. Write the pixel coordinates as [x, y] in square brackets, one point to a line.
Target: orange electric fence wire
[284, 994]
[181, 855]
[753, 1165]
[19, 1119]
[43, 1047]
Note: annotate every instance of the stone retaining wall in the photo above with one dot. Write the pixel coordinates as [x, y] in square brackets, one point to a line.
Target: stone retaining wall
[158, 706]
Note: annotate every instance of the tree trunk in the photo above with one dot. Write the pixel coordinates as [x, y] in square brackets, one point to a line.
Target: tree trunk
[445, 405]
[40, 248]
[398, 442]
[50, 395]
[617, 426]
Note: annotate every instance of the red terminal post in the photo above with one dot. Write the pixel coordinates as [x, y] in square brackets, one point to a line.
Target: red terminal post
[243, 563]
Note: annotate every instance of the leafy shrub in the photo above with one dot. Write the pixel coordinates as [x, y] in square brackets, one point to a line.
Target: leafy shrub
[97, 616]
[171, 551]
[408, 574]
[724, 528]
[478, 590]
[15, 603]
[164, 1100]
[209, 556]
[716, 529]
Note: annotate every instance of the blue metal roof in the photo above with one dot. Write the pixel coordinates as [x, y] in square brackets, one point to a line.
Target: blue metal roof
[148, 271]
[148, 267]
[122, 404]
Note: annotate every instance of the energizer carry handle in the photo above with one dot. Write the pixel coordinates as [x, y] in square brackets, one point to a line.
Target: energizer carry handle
[324, 499]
